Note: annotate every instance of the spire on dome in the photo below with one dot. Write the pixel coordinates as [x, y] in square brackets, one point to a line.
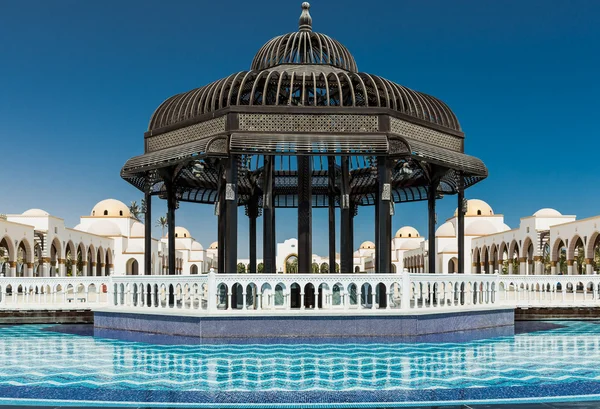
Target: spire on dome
[305, 23]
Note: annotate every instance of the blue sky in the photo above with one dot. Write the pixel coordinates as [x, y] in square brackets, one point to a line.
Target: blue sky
[79, 81]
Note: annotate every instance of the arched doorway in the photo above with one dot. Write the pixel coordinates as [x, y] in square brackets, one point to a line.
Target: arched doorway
[291, 264]
[132, 267]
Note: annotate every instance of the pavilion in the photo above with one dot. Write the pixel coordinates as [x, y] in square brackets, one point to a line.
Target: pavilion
[303, 128]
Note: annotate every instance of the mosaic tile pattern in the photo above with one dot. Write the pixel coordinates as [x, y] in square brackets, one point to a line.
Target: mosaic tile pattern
[41, 364]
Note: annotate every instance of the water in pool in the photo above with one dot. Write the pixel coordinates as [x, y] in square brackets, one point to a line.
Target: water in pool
[541, 362]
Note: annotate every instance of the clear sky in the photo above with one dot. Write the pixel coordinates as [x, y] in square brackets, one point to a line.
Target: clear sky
[79, 81]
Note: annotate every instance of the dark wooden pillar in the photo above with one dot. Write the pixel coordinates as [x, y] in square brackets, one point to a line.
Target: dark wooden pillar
[461, 225]
[304, 214]
[346, 215]
[147, 234]
[268, 217]
[431, 194]
[221, 230]
[383, 247]
[171, 205]
[231, 212]
[331, 197]
[252, 210]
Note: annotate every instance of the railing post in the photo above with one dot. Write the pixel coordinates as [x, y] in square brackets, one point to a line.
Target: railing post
[405, 291]
[212, 292]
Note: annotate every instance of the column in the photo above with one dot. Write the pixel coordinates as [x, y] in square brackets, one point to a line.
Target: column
[500, 263]
[383, 247]
[231, 212]
[482, 265]
[171, 204]
[304, 214]
[221, 230]
[268, 216]
[331, 207]
[431, 193]
[102, 269]
[61, 268]
[252, 216]
[461, 224]
[148, 234]
[570, 269]
[474, 268]
[553, 267]
[539, 266]
[589, 268]
[346, 213]
[522, 266]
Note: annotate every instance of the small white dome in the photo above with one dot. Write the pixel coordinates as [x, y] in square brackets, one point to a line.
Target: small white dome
[111, 208]
[214, 245]
[480, 228]
[445, 230]
[181, 233]
[137, 230]
[36, 213]
[407, 231]
[367, 245]
[476, 207]
[104, 228]
[197, 246]
[547, 212]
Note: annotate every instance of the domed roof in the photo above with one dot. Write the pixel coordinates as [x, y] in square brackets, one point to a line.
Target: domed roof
[324, 68]
[476, 207]
[367, 245]
[181, 233]
[407, 231]
[214, 245]
[111, 208]
[446, 230]
[104, 228]
[197, 246]
[480, 228]
[137, 230]
[36, 213]
[304, 47]
[547, 212]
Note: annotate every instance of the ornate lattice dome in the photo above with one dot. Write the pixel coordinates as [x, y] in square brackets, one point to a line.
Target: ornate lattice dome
[303, 68]
[304, 47]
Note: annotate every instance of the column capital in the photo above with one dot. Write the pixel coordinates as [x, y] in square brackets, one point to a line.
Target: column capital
[553, 263]
[29, 265]
[570, 262]
[61, 261]
[537, 258]
[523, 260]
[589, 261]
[12, 264]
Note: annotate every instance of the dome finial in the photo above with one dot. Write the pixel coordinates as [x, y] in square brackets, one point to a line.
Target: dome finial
[305, 22]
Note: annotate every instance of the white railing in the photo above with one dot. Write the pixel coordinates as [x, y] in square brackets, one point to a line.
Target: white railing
[241, 293]
[252, 293]
[549, 290]
[53, 292]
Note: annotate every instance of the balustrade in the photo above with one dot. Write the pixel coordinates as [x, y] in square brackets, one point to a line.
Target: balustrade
[255, 293]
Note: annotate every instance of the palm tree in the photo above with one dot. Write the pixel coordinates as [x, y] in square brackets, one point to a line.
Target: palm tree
[135, 210]
[162, 223]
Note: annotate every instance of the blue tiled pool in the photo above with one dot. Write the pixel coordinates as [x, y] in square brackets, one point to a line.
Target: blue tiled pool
[44, 364]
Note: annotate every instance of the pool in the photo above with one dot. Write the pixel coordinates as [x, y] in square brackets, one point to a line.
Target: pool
[542, 362]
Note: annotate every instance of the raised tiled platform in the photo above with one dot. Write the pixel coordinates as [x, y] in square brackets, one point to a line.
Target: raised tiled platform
[302, 324]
